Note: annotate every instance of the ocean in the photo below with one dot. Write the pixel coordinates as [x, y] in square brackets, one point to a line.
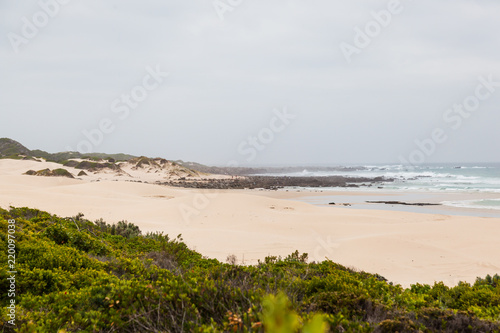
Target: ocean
[482, 180]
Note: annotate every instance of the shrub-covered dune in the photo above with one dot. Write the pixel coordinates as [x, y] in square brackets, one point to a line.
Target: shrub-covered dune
[50, 173]
[78, 275]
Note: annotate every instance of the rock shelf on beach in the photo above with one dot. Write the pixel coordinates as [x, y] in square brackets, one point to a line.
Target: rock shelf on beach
[404, 203]
[274, 183]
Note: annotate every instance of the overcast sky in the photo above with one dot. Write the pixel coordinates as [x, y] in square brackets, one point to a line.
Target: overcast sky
[254, 82]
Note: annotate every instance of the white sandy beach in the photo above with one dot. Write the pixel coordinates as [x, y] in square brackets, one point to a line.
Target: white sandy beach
[403, 247]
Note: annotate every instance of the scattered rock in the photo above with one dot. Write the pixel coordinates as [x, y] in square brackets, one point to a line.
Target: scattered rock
[405, 203]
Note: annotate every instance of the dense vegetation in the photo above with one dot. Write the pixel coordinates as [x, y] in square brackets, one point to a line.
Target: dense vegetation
[78, 275]
[12, 149]
[50, 173]
[93, 162]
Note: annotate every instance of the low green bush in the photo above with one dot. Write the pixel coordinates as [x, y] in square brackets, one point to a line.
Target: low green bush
[78, 275]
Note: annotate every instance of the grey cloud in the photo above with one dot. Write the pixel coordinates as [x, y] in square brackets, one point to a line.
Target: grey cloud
[227, 76]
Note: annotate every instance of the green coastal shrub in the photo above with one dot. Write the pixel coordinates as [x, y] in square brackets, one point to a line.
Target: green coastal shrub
[50, 173]
[122, 228]
[82, 276]
[62, 173]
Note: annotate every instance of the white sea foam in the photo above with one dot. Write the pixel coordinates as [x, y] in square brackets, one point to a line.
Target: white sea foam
[433, 178]
[476, 204]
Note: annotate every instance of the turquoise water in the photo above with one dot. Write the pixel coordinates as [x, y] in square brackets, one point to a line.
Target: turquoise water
[462, 178]
[478, 204]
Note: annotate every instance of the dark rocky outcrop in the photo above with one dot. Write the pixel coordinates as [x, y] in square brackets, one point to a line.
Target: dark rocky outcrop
[274, 183]
[404, 203]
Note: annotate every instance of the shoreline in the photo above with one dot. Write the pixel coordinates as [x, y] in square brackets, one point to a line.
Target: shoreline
[356, 199]
[404, 247]
[434, 202]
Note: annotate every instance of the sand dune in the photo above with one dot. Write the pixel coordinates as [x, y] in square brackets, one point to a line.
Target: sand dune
[404, 247]
[138, 169]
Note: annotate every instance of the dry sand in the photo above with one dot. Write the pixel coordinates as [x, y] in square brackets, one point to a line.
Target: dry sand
[403, 247]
